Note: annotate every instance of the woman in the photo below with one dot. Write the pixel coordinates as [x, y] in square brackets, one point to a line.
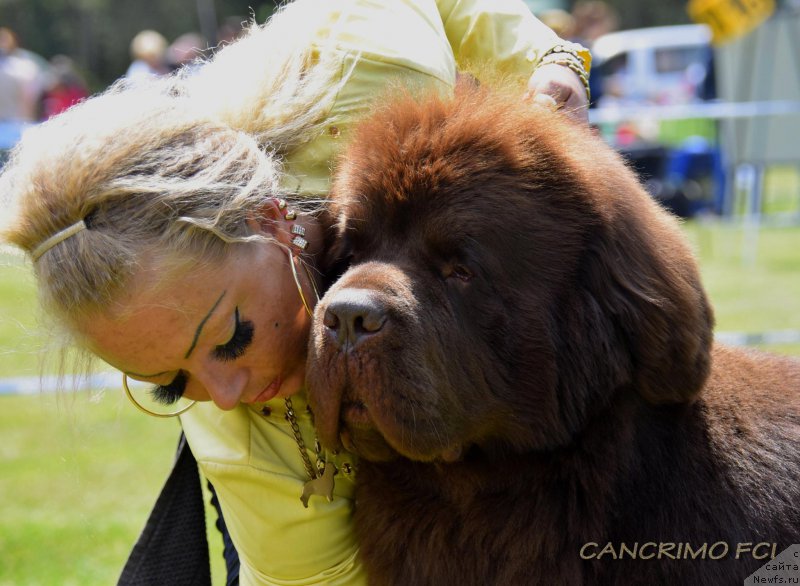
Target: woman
[157, 220]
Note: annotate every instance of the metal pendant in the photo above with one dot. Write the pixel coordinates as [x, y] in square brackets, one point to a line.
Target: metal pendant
[320, 486]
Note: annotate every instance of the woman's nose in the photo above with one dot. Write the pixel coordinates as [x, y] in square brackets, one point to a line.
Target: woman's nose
[222, 385]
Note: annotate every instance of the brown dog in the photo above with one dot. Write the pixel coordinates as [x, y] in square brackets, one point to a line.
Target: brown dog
[521, 353]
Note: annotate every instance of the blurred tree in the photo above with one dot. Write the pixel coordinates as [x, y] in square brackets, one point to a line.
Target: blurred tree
[97, 33]
[643, 13]
[632, 13]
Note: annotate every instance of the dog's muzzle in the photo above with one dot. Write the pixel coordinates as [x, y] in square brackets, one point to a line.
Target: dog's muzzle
[353, 316]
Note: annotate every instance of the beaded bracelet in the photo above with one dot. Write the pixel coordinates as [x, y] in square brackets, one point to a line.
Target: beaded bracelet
[575, 66]
[567, 55]
[568, 47]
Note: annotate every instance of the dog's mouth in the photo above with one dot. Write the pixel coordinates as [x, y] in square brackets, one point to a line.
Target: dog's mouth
[361, 407]
[359, 434]
[355, 412]
[362, 434]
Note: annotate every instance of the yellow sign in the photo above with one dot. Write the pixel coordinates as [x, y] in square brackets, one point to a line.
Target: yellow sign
[730, 19]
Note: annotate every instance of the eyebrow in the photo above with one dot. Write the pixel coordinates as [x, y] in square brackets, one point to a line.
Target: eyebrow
[202, 323]
[191, 348]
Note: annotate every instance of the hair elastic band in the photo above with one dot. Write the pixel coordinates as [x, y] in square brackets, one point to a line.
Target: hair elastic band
[57, 238]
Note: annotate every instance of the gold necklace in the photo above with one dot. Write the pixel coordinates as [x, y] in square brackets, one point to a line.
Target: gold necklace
[320, 481]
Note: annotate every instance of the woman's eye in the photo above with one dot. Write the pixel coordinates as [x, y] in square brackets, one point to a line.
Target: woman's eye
[169, 394]
[237, 345]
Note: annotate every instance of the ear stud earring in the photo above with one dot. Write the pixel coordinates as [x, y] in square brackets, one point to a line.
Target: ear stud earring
[298, 240]
[299, 231]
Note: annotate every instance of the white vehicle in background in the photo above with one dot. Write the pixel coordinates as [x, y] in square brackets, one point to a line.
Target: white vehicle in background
[654, 68]
[660, 65]
[701, 125]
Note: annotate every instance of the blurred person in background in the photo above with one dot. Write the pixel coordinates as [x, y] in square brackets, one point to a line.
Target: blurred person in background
[12, 85]
[148, 55]
[186, 51]
[12, 90]
[22, 79]
[177, 229]
[231, 29]
[65, 87]
[561, 21]
[592, 19]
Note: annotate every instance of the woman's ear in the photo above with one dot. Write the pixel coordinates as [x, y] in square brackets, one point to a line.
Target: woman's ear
[272, 219]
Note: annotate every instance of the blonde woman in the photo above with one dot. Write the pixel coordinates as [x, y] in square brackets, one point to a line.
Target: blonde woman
[175, 229]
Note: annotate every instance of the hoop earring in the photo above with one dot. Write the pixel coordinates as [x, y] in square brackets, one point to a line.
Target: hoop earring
[300, 287]
[147, 411]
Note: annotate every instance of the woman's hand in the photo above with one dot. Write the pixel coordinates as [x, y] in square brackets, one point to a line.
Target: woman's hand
[557, 86]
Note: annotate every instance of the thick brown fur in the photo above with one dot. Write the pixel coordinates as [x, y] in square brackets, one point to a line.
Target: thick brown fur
[521, 352]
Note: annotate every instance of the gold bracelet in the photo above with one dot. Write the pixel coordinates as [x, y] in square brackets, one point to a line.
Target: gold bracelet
[577, 69]
[567, 57]
[568, 47]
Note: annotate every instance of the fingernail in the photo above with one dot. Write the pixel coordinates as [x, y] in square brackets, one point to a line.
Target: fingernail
[545, 100]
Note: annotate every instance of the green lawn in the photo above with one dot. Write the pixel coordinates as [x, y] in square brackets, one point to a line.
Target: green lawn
[79, 473]
[752, 277]
[19, 340]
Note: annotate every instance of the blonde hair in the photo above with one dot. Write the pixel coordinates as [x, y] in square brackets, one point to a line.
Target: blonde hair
[168, 168]
[277, 82]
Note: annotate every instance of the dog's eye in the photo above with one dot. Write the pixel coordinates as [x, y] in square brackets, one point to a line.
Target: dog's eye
[459, 272]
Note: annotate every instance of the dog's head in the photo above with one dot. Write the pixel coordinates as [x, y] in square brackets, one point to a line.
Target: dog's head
[508, 276]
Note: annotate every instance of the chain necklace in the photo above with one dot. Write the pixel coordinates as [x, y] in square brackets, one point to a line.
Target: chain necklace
[320, 477]
[320, 480]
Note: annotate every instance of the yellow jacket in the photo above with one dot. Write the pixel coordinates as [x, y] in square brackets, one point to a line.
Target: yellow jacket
[417, 43]
[252, 459]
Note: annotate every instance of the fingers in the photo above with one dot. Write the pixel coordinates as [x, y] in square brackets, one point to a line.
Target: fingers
[553, 84]
[545, 100]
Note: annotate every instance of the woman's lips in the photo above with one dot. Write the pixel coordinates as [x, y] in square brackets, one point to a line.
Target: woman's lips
[268, 393]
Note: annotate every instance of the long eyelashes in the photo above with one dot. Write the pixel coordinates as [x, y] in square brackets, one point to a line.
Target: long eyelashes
[231, 350]
[237, 345]
[169, 394]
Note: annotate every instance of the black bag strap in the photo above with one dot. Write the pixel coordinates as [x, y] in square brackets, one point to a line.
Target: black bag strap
[173, 546]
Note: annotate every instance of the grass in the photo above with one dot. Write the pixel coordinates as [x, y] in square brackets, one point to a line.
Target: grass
[751, 277]
[79, 473]
[79, 476]
[19, 339]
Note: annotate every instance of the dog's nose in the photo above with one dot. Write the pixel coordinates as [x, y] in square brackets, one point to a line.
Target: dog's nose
[353, 315]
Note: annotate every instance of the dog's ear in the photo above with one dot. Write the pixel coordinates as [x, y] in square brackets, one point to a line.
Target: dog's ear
[643, 276]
